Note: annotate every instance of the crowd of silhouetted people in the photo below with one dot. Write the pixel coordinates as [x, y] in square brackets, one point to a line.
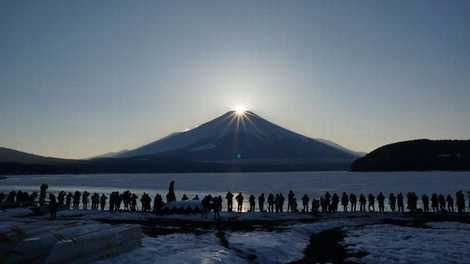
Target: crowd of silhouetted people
[272, 202]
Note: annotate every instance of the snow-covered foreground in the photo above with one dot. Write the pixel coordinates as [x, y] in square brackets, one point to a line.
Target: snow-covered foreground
[255, 237]
[228, 247]
[179, 248]
[444, 242]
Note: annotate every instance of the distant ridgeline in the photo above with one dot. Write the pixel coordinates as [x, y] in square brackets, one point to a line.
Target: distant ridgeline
[417, 155]
[13, 162]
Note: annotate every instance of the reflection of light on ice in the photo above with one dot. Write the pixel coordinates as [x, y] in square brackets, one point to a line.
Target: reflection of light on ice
[178, 248]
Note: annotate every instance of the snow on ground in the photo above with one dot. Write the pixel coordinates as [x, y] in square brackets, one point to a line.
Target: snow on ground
[438, 242]
[178, 248]
[14, 212]
[280, 246]
[445, 242]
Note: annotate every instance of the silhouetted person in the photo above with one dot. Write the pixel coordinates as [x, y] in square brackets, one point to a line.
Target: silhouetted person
[412, 201]
[146, 201]
[270, 203]
[334, 203]
[171, 197]
[252, 202]
[95, 201]
[239, 199]
[113, 202]
[277, 202]
[85, 199]
[290, 198]
[158, 203]
[207, 205]
[42, 195]
[327, 201]
[61, 198]
[450, 203]
[315, 205]
[184, 198]
[217, 205]
[19, 199]
[323, 205]
[126, 199]
[119, 200]
[442, 202]
[53, 206]
[460, 201]
[400, 203]
[371, 200]
[22, 198]
[103, 199]
[76, 200]
[415, 201]
[434, 202]
[425, 200]
[2, 197]
[381, 201]
[142, 202]
[468, 196]
[133, 203]
[68, 200]
[344, 201]
[229, 198]
[392, 201]
[33, 197]
[11, 198]
[305, 202]
[261, 202]
[353, 201]
[196, 198]
[281, 202]
[294, 205]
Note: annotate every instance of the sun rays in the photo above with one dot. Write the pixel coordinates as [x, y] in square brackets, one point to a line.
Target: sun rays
[240, 110]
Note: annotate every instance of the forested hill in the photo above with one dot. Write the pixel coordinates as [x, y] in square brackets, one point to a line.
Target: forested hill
[417, 155]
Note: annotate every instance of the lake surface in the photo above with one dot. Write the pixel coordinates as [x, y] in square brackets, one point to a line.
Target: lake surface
[312, 183]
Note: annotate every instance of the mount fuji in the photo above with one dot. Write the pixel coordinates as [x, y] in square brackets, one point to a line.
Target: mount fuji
[232, 142]
[242, 137]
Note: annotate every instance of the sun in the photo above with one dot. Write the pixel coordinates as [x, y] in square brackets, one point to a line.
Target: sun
[240, 110]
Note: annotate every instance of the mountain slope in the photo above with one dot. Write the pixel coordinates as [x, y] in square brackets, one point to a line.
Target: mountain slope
[240, 137]
[422, 154]
[333, 144]
[15, 156]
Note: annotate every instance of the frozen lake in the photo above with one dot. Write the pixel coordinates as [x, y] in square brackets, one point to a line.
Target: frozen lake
[312, 183]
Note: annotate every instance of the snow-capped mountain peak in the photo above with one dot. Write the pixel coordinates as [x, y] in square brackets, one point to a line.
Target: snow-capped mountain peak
[235, 135]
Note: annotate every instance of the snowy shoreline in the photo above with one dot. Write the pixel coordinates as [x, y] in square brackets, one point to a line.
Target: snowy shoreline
[271, 238]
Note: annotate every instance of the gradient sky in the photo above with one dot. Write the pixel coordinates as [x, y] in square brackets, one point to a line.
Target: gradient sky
[80, 78]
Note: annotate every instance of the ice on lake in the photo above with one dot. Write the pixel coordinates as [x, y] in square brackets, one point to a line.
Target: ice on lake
[300, 182]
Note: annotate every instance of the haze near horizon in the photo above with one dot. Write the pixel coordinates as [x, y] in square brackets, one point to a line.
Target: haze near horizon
[82, 79]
